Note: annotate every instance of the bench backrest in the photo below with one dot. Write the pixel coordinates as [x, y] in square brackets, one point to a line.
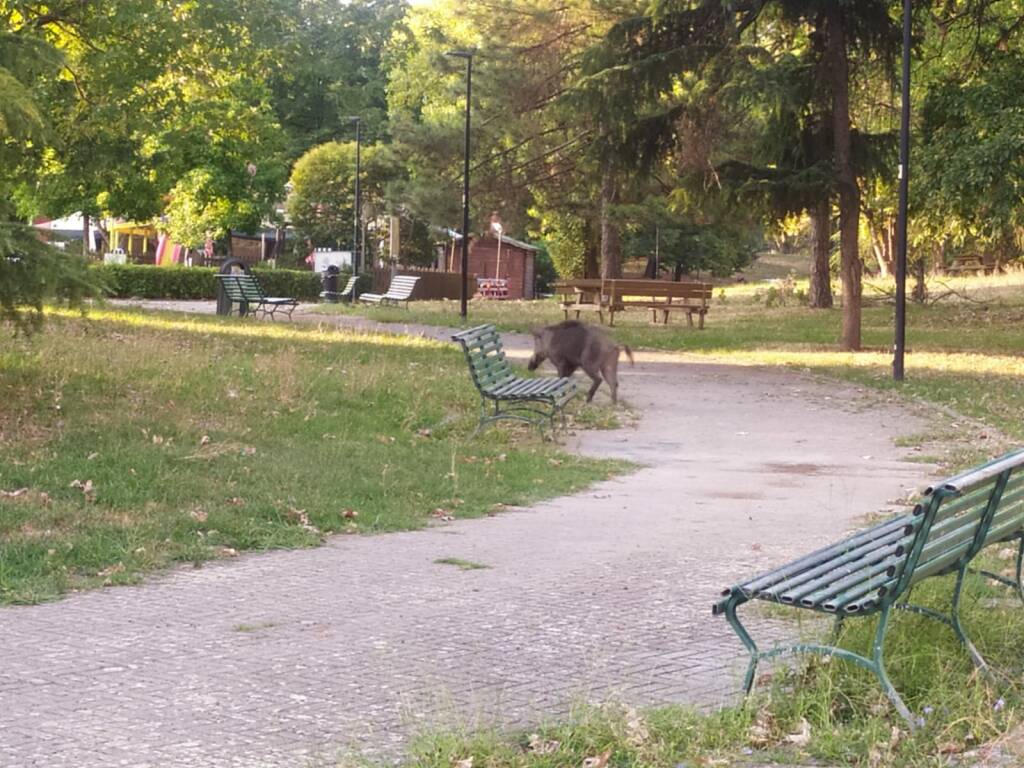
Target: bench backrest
[620, 291]
[350, 286]
[485, 356]
[401, 287]
[646, 291]
[960, 517]
[241, 287]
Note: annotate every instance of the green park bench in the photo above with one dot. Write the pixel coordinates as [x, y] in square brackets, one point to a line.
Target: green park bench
[872, 572]
[245, 291]
[400, 290]
[503, 395]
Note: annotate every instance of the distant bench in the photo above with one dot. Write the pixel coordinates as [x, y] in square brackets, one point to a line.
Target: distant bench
[400, 290]
[245, 290]
[872, 572]
[661, 297]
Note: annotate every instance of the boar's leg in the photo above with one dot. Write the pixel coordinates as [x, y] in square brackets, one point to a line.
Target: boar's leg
[596, 378]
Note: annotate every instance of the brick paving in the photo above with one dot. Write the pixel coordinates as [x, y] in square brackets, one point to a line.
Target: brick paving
[295, 658]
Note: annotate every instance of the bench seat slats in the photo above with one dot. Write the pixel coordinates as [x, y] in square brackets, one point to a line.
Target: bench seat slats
[826, 579]
[823, 555]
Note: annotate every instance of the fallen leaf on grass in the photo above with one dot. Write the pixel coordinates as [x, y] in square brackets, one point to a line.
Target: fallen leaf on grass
[204, 440]
[802, 737]
[950, 748]
[199, 515]
[540, 746]
[464, 763]
[424, 432]
[349, 513]
[300, 517]
[236, 501]
[86, 488]
[598, 761]
[110, 570]
[385, 439]
[227, 552]
[13, 494]
[442, 514]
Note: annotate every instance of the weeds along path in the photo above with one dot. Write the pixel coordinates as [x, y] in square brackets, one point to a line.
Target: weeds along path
[291, 658]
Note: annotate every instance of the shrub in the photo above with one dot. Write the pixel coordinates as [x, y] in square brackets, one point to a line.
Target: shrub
[149, 282]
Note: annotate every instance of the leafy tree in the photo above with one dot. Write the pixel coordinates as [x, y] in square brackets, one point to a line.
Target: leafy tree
[331, 68]
[322, 201]
[31, 272]
[973, 170]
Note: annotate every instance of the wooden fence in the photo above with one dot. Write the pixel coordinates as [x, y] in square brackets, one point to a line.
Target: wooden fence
[433, 283]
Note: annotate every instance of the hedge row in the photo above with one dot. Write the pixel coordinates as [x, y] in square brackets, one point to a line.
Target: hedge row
[142, 281]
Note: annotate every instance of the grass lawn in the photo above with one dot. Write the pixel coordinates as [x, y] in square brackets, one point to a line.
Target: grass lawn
[131, 441]
[965, 353]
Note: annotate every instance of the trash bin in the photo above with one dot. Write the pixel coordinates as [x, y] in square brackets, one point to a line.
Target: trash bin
[330, 279]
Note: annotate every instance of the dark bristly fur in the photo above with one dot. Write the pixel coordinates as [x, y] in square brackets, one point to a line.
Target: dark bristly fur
[571, 345]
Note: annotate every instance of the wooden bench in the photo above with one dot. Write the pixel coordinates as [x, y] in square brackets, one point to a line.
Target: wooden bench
[872, 572]
[661, 297]
[503, 395]
[245, 290]
[400, 290]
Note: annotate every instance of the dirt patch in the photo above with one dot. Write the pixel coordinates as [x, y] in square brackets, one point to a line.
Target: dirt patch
[807, 470]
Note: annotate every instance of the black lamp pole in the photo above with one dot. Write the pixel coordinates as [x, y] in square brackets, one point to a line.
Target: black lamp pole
[356, 228]
[463, 294]
[899, 348]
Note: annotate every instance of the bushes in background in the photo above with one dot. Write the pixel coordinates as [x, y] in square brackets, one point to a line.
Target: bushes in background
[142, 281]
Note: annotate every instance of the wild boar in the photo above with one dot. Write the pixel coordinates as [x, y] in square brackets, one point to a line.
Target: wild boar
[571, 345]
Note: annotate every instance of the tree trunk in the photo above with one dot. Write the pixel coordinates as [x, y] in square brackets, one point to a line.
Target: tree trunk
[611, 247]
[920, 289]
[231, 250]
[821, 252]
[849, 202]
[85, 235]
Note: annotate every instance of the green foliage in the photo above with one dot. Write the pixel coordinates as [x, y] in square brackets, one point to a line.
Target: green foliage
[124, 281]
[32, 273]
[973, 164]
[321, 205]
[331, 69]
[565, 240]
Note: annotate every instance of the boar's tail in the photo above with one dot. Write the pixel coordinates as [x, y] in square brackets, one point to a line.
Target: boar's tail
[629, 353]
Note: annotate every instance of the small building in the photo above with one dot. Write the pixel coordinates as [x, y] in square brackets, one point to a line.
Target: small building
[498, 256]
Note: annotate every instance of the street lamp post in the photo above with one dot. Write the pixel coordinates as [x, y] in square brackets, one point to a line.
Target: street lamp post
[899, 347]
[468, 56]
[356, 224]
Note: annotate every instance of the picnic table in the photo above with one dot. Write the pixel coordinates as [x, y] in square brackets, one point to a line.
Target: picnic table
[660, 297]
[967, 265]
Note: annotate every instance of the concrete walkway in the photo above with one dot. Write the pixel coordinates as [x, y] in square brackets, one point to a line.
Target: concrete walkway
[292, 658]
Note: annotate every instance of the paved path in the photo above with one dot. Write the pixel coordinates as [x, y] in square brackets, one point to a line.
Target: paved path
[292, 658]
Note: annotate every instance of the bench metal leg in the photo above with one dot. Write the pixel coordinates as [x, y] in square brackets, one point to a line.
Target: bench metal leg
[952, 621]
[517, 411]
[875, 664]
[1015, 582]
